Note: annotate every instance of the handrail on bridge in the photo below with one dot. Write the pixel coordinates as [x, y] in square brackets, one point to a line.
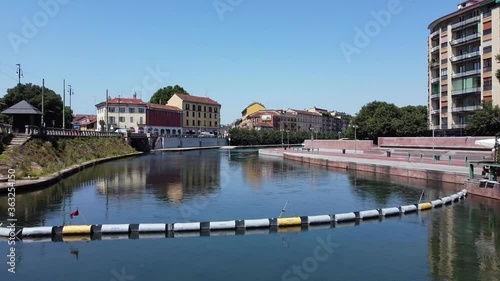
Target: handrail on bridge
[43, 131]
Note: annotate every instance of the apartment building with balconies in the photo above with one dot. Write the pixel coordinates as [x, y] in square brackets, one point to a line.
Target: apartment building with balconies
[461, 51]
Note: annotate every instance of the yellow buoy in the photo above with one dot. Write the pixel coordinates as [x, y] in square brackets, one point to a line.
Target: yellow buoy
[76, 229]
[289, 221]
[425, 206]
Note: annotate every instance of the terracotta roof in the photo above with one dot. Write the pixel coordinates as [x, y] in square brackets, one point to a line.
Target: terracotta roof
[197, 99]
[126, 101]
[164, 107]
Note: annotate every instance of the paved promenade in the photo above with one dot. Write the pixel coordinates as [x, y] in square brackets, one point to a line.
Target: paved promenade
[456, 167]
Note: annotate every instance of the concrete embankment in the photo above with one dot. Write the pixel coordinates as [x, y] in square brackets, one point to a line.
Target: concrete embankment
[444, 173]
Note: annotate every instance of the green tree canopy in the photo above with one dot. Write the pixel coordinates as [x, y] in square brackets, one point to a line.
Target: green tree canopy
[381, 119]
[412, 121]
[33, 94]
[485, 122]
[164, 94]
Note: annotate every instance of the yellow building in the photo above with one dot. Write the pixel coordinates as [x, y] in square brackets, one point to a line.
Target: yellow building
[251, 109]
[201, 114]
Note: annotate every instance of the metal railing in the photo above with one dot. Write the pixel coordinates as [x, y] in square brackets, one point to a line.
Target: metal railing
[466, 73]
[465, 56]
[466, 91]
[465, 39]
[38, 131]
[466, 108]
[433, 49]
[434, 80]
[487, 69]
[434, 33]
[458, 126]
[487, 87]
[466, 22]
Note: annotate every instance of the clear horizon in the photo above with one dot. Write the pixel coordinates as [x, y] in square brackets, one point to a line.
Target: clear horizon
[292, 54]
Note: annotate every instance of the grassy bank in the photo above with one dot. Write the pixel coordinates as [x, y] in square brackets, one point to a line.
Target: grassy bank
[41, 157]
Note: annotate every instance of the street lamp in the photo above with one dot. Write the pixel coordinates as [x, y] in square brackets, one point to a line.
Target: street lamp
[312, 137]
[355, 146]
[288, 137]
[432, 127]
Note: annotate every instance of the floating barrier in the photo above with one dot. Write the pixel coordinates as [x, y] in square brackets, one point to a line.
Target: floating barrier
[408, 209]
[37, 231]
[424, 206]
[394, 211]
[73, 233]
[344, 217]
[367, 214]
[436, 203]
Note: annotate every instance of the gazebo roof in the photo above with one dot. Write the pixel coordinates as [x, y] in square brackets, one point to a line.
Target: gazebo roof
[22, 107]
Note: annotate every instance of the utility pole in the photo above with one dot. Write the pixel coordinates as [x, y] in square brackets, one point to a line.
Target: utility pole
[70, 93]
[43, 111]
[64, 104]
[19, 73]
[119, 109]
[107, 117]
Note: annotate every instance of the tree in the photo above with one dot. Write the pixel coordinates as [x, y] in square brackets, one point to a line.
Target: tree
[376, 119]
[33, 94]
[413, 121]
[164, 94]
[485, 122]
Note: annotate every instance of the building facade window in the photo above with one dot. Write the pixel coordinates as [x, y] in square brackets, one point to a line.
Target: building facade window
[122, 119]
[122, 110]
[487, 50]
[141, 121]
[131, 110]
[111, 109]
[444, 72]
[131, 119]
[186, 107]
[187, 122]
[487, 31]
[140, 110]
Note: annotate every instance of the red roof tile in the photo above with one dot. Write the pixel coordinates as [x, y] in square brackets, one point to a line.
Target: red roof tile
[126, 101]
[197, 99]
[164, 107]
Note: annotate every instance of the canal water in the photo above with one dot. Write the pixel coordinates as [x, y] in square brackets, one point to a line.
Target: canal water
[458, 242]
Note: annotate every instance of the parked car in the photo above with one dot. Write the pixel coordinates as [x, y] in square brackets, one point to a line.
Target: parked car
[206, 135]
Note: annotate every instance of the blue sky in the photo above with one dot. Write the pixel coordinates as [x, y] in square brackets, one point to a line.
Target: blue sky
[282, 53]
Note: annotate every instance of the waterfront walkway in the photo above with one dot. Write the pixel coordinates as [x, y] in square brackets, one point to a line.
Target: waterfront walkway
[455, 166]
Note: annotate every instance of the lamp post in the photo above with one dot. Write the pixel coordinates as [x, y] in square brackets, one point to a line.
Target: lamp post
[288, 138]
[432, 127]
[355, 139]
[312, 137]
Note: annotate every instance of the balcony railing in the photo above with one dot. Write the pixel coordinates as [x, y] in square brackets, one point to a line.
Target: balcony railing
[433, 49]
[487, 69]
[466, 108]
[434, 64]
[433, 34]
[465, 22]
[487, 14]
[435, 111]
[434, 80]
[435, 127]
[465, 39]
[466, 91]
[487, 87]
[458, 126]
[466, 73]
[465, 56]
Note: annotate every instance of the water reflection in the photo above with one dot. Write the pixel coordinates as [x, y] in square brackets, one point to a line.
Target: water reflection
[464, 244]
